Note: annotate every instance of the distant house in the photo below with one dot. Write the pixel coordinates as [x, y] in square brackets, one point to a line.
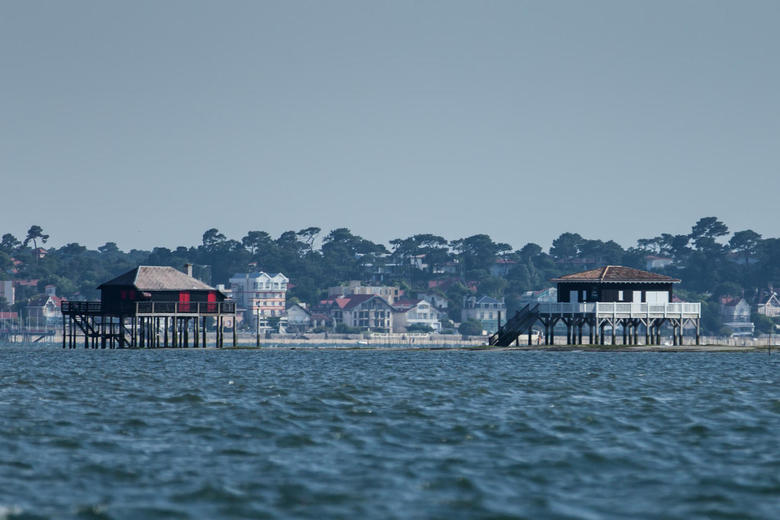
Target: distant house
[388, 292]
[7, 292]
[435, 299]
[298, 316]
[735, 314]
[46, 308]
[365, 311]
[485, 310]
[415, 312]
[770, 307]
[259, 294]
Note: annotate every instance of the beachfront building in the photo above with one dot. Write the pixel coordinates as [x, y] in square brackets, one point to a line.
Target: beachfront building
[354, 287]
[7, 292]
[147, 306]
[771, 306]
[485, 309]
[608, 298]
[364, 311]
[259, 295]
[301, 318]
[408, 313]
[735, 314]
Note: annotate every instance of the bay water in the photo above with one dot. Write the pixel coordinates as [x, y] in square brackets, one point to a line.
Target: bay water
[329, 433]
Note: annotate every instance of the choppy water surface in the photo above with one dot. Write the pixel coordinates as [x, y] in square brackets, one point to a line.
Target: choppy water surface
[387, 434]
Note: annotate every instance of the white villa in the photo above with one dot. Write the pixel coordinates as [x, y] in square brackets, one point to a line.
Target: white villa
[415, 312]
[260, 295]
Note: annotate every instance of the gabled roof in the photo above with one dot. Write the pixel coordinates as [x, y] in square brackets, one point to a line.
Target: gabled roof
[357, 299]
[486, 299]
[616, 274]
[157, 278]
[406, 304]
[301, 307]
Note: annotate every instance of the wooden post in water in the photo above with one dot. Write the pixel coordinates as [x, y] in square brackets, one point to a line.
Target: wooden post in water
[221, 331]
[186, 327]
[203, 328]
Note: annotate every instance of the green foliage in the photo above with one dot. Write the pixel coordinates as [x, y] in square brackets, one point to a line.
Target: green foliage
[343, 328]
[763, 324]
[471, 328]
[709, 263]
[419, 327]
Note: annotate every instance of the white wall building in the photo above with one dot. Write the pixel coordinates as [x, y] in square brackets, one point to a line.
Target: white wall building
[260, 294]
[415, 312]
[389, 293]
[7, 291]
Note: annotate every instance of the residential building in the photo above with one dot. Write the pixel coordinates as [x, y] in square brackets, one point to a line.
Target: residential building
[44, 309]
[7, 292]
[735, 314]
[437, 300]
[300, 318]
[770, 307]
[259, 294]
[354, 287]
[365, 311]
[484, 309]
[415, 312]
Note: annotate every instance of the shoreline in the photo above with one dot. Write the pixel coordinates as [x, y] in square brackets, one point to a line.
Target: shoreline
[485, 348]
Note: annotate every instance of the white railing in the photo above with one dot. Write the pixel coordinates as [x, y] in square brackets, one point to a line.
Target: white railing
[622, 309]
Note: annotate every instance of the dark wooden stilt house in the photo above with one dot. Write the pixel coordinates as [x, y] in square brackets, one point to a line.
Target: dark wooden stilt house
[611, 297]
[149, 306]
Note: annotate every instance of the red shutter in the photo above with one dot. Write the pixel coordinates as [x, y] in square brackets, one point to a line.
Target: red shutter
[184, 302]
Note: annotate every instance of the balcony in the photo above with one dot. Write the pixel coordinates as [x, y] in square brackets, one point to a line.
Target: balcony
[624, 310]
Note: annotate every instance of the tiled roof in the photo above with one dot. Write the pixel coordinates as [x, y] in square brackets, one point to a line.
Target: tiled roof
[616, 273]
[157, 278]
[357, 299]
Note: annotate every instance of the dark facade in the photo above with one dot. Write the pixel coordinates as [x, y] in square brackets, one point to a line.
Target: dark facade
[615, 284]
[611, 292]
[154, 284]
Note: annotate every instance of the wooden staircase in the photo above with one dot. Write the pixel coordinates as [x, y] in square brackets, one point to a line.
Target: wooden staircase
[520, 323]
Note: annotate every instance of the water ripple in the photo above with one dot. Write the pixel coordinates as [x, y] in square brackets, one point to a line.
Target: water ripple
[301, 434]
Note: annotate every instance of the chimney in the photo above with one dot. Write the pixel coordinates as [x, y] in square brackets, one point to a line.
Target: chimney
[188, 269]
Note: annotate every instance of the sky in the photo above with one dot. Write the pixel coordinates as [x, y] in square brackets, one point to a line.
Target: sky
[146, 123]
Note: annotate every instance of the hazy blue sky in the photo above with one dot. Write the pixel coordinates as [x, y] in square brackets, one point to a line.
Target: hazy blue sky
[147, 122]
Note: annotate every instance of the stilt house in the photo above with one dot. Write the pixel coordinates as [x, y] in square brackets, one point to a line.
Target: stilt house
[606, 300]
[146, 307]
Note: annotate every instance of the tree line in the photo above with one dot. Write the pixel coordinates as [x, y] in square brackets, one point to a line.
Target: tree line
[711, 261]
